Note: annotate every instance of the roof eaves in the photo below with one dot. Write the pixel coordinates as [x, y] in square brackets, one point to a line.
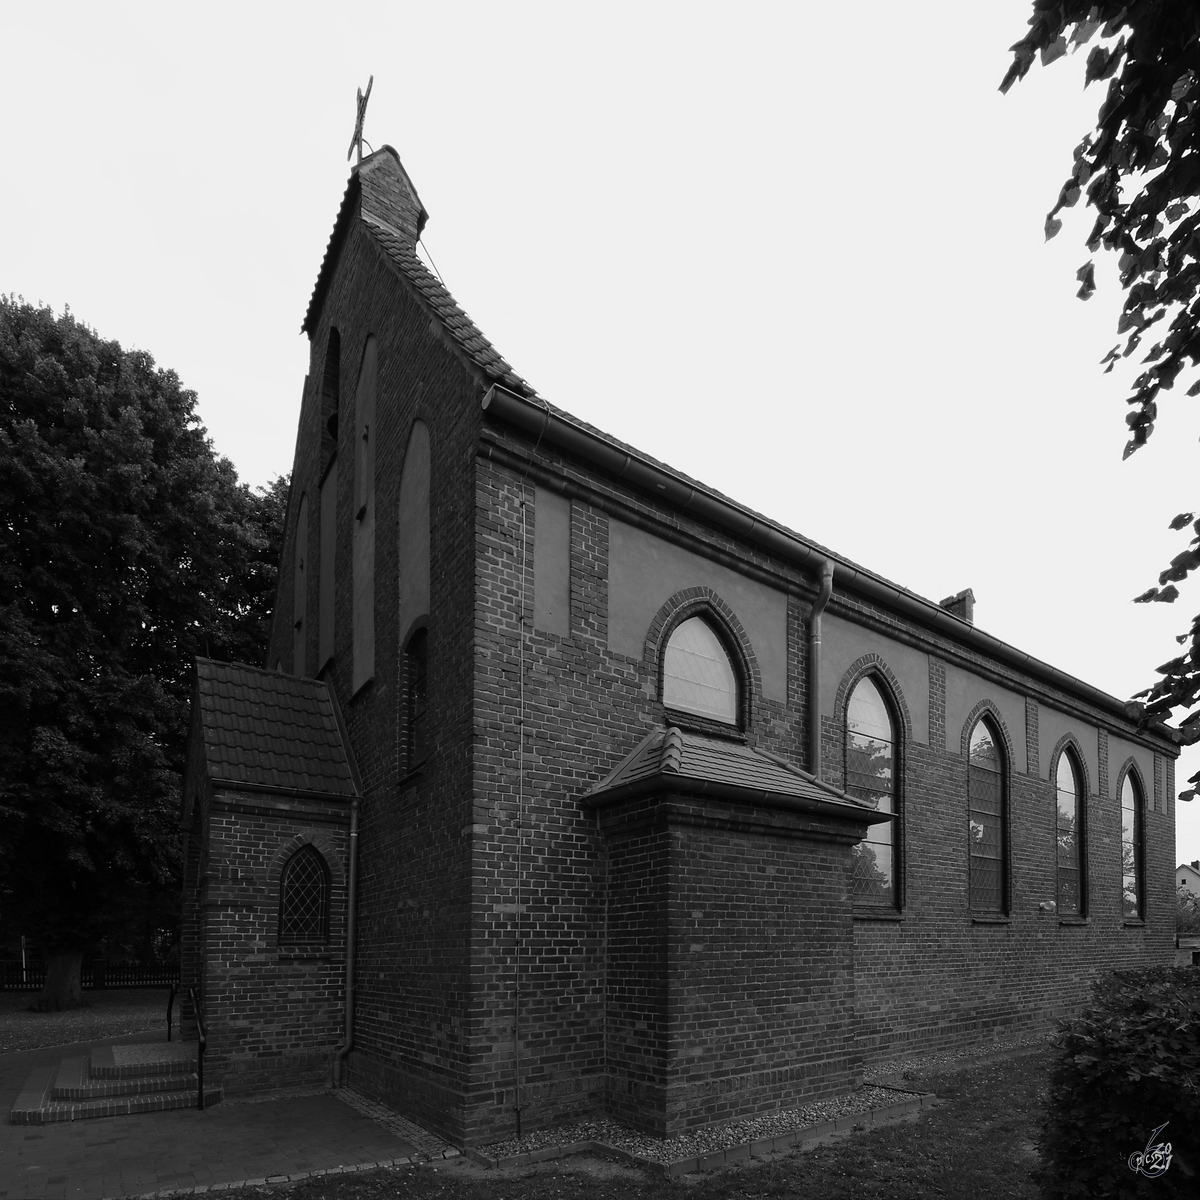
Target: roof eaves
[539, 419]
[340, 227]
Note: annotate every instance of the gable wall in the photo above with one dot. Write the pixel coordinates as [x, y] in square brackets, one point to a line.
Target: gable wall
[412, 1022]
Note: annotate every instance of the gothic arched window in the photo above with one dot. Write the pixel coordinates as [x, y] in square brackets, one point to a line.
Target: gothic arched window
[1133, 849]
[871, 777]
[1069, 834]
[987, 820]
[304, 899]
[698, 675]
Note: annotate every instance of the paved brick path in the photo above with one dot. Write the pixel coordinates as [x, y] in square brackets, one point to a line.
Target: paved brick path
[227, 1144]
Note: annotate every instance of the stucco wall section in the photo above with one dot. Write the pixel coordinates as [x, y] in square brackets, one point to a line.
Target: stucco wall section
[964, 691]
[1118, 751]
[644, 572]
[1051, 726]
[843, 643]
[552, 563]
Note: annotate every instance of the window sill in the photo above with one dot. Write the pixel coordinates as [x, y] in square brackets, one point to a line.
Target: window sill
[703, 725]
[884, 914]
[414, 774]
[1074, 920]
[314, 955]
[997, 920]
[1133, 923]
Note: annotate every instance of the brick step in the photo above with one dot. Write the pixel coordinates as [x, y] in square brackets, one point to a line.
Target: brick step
[50, 1111]
[73, 1081]
[155, 1058]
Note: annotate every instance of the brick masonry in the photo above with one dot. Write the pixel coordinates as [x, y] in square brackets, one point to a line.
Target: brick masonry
[677, 963]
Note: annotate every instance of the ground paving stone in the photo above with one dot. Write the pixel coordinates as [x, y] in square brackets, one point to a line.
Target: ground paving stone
[226, 1145]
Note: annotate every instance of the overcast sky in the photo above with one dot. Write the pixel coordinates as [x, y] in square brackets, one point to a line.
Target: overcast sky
[794, 250]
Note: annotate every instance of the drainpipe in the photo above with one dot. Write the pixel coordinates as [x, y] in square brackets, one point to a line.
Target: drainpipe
[351, 895]
[814, 668]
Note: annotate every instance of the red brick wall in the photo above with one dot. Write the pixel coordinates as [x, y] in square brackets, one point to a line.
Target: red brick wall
[275, 1011]
[492, 907]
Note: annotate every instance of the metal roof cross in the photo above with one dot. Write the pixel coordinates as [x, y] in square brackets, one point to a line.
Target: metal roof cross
[357, 140]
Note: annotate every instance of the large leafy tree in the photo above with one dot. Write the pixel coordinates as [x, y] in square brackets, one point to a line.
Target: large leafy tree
[1139, 169]
[127, 547]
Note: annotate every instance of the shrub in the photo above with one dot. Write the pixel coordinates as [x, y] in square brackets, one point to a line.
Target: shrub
[1130, 1063]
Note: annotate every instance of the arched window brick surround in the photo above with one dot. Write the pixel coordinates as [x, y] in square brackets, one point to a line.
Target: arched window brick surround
[986, 707]
[833, 724]
[1069, 741]
[872, 664]
[698, 602]
[307, 837]
[1130, 767]
[874, 667]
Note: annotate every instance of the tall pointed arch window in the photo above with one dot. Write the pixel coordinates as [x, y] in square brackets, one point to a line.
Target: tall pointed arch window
[304, 899]
[871, 778]
[987, 820]
[698, 674]
[1069, 834]
[1133, 847]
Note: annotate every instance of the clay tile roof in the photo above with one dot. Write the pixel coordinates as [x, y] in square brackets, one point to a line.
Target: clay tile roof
[268, 729]
[671, 758]
[381, 195]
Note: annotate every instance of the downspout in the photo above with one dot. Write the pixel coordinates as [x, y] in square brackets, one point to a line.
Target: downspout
[351, 913]
[814, 668]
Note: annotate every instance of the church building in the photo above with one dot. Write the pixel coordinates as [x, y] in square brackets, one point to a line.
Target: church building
[571, 787]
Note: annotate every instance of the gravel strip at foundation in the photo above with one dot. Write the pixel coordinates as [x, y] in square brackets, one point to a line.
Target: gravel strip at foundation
[909, 1068]
[703, 1141]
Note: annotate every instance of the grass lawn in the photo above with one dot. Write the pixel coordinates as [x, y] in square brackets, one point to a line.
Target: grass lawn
[107, 1013]
[975, 1144]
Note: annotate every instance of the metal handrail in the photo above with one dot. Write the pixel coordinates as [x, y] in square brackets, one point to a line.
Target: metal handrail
[202, 1042]
[170, 1006]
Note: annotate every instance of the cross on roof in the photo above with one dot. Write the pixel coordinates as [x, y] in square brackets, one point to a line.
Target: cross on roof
[357, 140]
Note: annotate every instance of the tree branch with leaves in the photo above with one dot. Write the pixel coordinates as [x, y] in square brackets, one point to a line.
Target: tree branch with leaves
[1139, 170]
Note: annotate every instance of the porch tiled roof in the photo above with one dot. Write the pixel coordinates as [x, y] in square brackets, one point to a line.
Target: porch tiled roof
[268, 729]
[676, 758]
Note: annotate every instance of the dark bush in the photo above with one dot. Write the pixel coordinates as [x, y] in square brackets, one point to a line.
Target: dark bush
[1130, 1063]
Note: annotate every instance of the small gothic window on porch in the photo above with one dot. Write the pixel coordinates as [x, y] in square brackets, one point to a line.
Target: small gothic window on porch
[304, 899]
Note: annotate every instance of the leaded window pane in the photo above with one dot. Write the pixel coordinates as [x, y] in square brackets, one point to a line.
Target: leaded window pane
[870, 778]
[303, 899]
[873, 877]
[986, 828]
[1067, 805]
[1131, 847]
[984, 753]
[697, 674]
[867, 713]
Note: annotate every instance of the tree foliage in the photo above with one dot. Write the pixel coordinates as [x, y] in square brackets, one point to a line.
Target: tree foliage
[127, 547]
[1127, 1065]
[1139, 169]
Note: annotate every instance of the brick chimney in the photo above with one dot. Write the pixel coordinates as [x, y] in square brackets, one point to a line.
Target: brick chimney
[962, 605]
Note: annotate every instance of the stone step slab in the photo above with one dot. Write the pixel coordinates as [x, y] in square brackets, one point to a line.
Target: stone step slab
[49, 1112]
[74, 1081]
[154, 1058]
